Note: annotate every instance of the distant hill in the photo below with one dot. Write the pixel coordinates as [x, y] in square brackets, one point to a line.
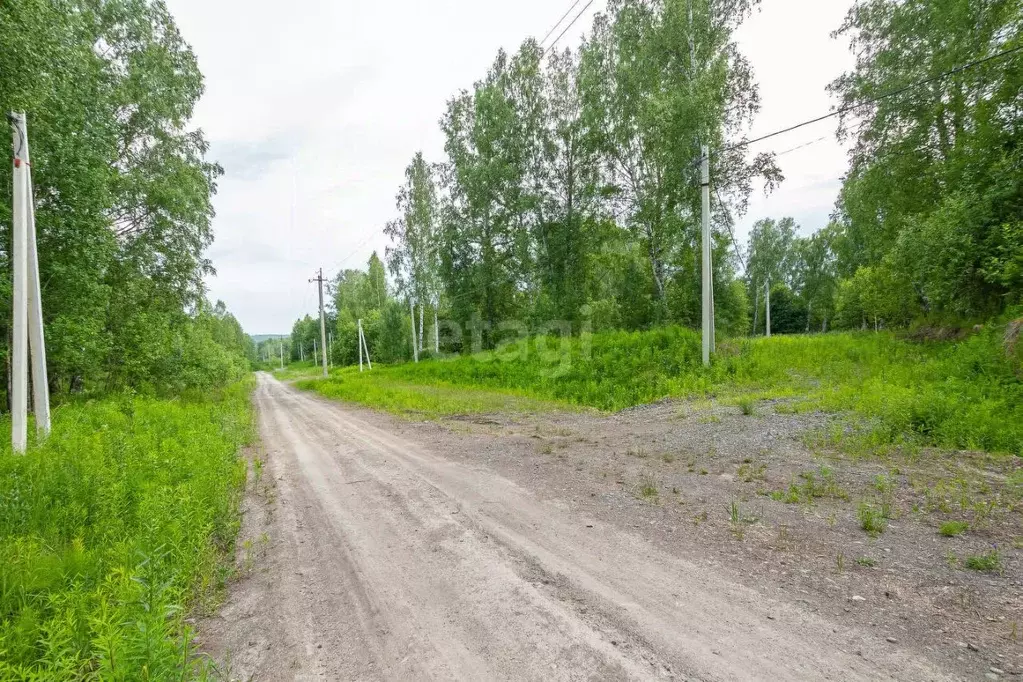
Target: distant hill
[260, 338]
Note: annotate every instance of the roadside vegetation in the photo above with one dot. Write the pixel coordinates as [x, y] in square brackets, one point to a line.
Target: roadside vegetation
[114, 530]
[959, 394]
[118, 526]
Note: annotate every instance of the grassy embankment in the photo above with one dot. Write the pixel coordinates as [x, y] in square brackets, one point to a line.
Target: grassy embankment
[114, 529]
[965, 394]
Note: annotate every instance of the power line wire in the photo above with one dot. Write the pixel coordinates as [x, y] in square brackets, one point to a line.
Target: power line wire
[555, 26]
[355, 250]
[804, 145]
[731, 234]
[885, 95]
[570, 25]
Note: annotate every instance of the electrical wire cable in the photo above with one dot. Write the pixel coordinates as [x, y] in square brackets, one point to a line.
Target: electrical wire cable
[731, 234]
[882, 96]
[570, 25]
[354, 251]
[803, 146]
[555, 26]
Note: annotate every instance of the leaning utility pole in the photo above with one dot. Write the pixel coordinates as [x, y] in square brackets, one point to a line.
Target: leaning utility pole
[323, 323]
[27, 297]
[364, 346]
[708, 300]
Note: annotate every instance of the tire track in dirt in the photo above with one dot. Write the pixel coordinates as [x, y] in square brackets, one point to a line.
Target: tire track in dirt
[412, 566]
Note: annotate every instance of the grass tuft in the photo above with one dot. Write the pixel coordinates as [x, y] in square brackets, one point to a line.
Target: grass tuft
[988, 562]
[872, 518]
[951, 529]
[747, 405]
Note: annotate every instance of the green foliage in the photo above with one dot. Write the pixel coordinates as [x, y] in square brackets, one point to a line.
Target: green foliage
[410, 399]
[112, 530]
[872, 518]
[989, 561]
[934, 190]
[747, 405]
[810, 486]
[123, 195]
[951, 529]
[788, 311]
[953, 394]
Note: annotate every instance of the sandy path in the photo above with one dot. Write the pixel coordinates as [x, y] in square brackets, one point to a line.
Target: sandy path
[388, 561]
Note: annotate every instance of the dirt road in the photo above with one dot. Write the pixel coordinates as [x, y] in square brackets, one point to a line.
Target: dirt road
[385, 560]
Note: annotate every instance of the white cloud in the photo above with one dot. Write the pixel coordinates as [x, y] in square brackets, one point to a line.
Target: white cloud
[315, 107]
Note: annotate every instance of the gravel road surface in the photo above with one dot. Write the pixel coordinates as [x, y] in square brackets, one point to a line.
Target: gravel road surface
[386, 560]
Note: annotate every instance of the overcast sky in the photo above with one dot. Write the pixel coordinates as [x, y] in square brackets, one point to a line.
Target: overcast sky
[315, 107]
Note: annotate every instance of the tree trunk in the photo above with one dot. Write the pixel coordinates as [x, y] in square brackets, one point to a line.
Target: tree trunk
[422, 309]
[436, 331]
[809, 310]
[767, 315]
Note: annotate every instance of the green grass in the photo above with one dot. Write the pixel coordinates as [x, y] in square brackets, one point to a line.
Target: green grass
[951, 529]
[963, 394]
[989, 562]
[418, 400]
[114, 529]
[812, 485]
[872, 519]
[747, 405]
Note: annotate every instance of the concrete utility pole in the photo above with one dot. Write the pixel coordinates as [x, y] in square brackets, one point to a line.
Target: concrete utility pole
[708, 300]
[27, 296]
[323, 323]
[412, 311]
[365, 346]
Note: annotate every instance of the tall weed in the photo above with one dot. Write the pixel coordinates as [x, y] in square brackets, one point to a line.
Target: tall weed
[112, 529]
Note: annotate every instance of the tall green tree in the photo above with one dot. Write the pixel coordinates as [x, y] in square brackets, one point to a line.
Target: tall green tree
[660, 78]
[772, 257]
[122, 186]
[486, 253]
[414, 258]
[934, 194]
[814, 276]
